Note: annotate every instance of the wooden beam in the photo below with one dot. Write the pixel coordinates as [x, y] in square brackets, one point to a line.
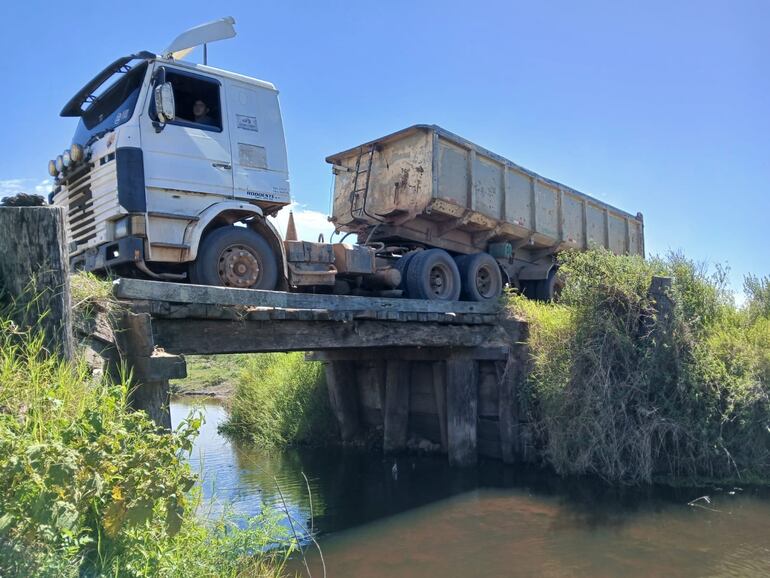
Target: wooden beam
[462, 412]
[396, 414]
[343, 397]
[184, 293]
[412, 353]
[149, 369]
[208, 337]
[34, 274]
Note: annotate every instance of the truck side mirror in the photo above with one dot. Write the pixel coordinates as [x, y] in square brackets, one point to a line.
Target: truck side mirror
[164, 102]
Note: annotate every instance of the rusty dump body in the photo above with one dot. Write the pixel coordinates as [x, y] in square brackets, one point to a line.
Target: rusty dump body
[428, 187]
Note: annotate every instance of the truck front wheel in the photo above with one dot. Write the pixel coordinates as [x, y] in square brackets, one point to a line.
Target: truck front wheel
[235, 257]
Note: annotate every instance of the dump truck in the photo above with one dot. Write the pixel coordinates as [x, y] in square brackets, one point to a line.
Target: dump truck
[176, 167]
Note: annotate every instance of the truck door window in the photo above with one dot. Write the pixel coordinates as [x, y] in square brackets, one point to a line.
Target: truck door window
[197, 101]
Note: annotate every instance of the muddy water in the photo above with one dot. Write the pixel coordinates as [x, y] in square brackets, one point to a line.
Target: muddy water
[415, 517]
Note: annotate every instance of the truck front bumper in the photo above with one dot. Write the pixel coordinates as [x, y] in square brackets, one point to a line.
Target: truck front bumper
[108, 255]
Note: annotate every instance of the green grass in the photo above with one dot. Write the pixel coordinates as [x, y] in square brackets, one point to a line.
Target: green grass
[212, 374]
[281, 400]
[618, 392]
[91, 488]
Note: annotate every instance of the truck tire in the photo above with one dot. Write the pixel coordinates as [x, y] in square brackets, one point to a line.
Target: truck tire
[433, 274]
[480, 277]
[528, 289]
[235, 257]
[402, 265]
[547, 289]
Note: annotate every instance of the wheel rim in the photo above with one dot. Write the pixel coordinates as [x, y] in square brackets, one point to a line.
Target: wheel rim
[239, 266]
[440, 281]
[485, 282]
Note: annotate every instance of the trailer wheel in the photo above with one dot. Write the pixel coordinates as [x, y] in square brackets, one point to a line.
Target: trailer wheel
[481, 277]
[433, 274]
[235, 257]
[548, 289]
[529, 289]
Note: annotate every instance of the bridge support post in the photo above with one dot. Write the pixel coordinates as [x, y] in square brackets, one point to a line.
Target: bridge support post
[396, 414]
[512, 377]
[343, 397]
[462, 411]
[149, 370]
[439, 394]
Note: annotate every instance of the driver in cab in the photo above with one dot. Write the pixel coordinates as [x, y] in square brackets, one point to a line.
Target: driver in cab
[201, 114]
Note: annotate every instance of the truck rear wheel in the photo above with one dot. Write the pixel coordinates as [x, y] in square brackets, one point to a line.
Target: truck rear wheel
[235, 257]
[433, 274]
[481, 277]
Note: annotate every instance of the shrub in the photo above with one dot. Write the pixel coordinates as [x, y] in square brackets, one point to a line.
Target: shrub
[621, 392]
[91, 488]
[281, 399]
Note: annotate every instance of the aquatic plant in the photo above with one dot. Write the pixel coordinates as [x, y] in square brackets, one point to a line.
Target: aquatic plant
[620, 391]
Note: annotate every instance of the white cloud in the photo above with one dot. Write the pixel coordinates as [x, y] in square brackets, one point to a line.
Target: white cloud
[309, 223]
[9, 187]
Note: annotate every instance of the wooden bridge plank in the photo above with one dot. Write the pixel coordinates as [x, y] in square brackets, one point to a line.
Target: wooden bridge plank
[185, 293]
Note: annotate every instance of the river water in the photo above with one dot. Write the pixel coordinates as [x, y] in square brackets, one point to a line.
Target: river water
[405, 517]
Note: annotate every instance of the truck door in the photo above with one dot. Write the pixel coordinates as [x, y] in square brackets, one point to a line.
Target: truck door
[260, 169]
[189, 154]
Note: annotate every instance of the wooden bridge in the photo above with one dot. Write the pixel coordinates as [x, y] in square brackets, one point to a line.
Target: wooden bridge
[446, 372]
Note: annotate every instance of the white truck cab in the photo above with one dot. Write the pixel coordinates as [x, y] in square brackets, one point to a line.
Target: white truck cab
[167, 155]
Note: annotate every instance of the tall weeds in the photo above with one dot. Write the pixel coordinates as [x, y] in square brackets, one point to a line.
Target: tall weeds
[280, 400]
[622, 393]
[91, 488]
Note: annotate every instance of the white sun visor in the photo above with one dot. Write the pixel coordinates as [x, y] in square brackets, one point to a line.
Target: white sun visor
[210, 32]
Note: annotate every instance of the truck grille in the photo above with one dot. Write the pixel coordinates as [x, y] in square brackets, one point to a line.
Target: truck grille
[79, 204]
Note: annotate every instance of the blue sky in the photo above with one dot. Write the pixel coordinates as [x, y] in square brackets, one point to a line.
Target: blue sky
[658, 107]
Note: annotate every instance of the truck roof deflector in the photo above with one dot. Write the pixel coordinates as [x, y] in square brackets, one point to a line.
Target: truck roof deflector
[210, 32]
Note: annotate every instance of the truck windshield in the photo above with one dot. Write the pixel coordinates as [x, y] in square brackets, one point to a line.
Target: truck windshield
[112, 107]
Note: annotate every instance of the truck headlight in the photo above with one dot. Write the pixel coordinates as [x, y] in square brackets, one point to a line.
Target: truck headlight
[66, 160]
[76, 153]
[59, 163]
[122, 228]
[52, 170]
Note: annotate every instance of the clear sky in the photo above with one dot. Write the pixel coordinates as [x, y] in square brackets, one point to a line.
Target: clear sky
[658, 107]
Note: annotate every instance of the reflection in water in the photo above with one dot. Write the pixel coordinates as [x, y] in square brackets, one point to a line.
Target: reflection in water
[430, 520]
